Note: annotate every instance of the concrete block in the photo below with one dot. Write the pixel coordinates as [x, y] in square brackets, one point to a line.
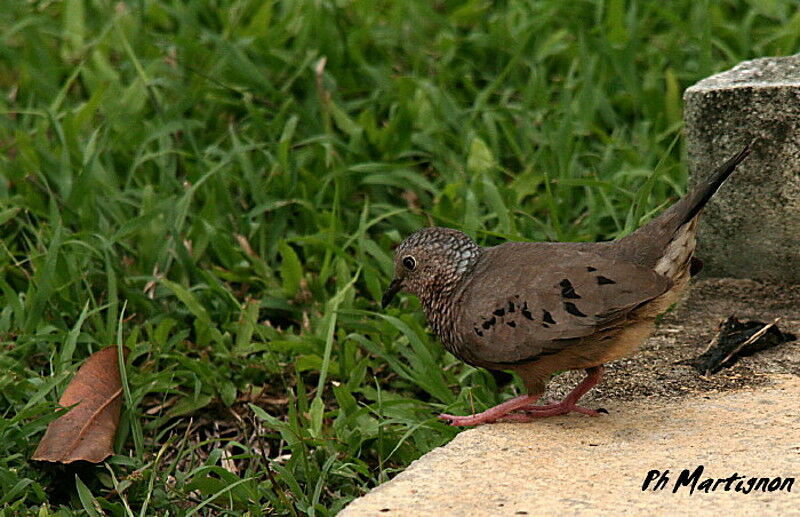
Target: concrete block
[751, 229]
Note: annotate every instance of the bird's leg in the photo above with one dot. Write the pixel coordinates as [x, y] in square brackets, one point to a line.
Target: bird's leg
[530, 411]
[493, 414]
[593, 376]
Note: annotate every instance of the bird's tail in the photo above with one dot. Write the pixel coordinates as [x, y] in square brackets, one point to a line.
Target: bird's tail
[648, 244]
[704, 190]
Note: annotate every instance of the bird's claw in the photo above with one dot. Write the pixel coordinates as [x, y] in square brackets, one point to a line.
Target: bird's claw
[461, 421]
[448, 419]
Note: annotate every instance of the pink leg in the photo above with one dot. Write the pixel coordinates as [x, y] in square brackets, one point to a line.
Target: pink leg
[493, 414]
[530, 411]
[570, 401]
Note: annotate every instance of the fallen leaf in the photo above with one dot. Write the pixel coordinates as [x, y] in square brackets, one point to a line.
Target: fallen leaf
[86, 432]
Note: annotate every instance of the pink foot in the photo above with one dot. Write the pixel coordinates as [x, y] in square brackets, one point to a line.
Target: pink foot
[457, 421]
[492, 414]
[570, 402]
[528, 411]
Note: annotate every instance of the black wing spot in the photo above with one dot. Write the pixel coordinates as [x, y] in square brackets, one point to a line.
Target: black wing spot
[511, 307]
[489, 323]
[601, 280]
[567, 291]
[572, 309]
[499, 312]
[591, 269]
[478, 331]
[526, 312]
[511, 324]
[547, 317]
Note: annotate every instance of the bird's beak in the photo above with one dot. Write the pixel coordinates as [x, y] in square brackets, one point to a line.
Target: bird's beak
[395, 286]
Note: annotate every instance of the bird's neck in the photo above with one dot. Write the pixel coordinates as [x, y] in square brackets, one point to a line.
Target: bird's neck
[441, 305]
[442, 299]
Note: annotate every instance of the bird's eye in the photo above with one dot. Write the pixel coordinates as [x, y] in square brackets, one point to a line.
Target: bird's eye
[409, 263]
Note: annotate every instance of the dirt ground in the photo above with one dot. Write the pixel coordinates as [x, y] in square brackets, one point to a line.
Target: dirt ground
[663, 416]
[685, 332]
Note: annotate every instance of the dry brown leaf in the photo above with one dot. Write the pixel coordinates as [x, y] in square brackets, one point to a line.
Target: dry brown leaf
[86, 432]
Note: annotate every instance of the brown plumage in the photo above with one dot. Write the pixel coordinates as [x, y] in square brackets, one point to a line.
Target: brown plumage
[538, 308]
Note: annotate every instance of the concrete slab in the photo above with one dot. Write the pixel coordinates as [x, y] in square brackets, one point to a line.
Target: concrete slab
[581, 465]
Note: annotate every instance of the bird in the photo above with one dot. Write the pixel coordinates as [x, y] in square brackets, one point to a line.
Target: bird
[539, 308]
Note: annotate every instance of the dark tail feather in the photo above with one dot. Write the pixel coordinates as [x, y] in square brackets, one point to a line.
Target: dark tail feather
[708, 187]
[646, 245]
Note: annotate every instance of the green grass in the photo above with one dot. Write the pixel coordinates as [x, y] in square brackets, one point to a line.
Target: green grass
[219, 185]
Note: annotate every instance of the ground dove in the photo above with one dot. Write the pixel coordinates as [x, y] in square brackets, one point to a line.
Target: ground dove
[537, 308]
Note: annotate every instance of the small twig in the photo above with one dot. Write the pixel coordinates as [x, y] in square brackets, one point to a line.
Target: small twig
[750, 340]
[713, 342]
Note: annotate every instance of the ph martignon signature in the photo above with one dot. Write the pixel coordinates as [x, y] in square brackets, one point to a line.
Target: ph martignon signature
[658, 480]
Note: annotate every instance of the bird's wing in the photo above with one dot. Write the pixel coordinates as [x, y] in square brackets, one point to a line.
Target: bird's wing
[533, 300]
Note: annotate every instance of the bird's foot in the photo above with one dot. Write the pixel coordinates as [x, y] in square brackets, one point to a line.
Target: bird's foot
[569, 404]
[470, 420]
[493, 414]
[522, 408]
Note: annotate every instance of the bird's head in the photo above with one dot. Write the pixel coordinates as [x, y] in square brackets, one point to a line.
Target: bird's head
[431, 260]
